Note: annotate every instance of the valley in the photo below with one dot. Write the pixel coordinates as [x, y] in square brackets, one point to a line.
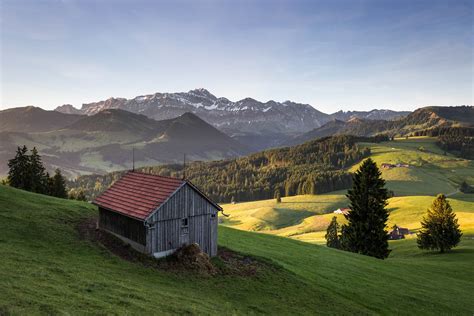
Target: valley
[236, 157]
[104, 142]
[47, 267]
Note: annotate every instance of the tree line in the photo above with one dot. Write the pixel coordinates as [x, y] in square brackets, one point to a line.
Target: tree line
[311, 168]
[457, 140]
[26, 172]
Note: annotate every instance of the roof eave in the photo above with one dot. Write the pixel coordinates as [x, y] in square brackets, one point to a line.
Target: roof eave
[126, 215]
[204, 195]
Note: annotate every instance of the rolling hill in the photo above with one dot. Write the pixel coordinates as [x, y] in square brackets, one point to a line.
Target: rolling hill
[430, 172]
[34, 119]
[46, 268]
[420, 120]
[104, 142]
[313, 167]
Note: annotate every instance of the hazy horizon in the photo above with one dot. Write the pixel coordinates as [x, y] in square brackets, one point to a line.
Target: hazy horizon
[333, 55]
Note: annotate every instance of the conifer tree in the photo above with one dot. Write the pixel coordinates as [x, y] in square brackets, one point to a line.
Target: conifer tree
[465, 188]
[18, 174]
[37, 174]
[278, 196]
[332, 234]
[440, 228]
[57, 185]
[365, 232]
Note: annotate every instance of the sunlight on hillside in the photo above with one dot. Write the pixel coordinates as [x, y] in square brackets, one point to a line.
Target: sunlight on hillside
[306, 217]
[430, 171]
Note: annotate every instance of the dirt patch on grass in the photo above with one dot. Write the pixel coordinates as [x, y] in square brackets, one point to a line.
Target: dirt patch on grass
[186, 259]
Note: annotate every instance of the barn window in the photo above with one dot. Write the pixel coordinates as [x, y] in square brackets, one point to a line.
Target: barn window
[184, 225]
[213, 215]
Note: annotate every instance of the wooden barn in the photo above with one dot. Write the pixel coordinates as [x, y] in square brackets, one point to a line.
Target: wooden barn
[398, 233]
[157, 215]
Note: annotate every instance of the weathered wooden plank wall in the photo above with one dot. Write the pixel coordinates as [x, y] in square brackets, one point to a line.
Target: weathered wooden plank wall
[167, 231]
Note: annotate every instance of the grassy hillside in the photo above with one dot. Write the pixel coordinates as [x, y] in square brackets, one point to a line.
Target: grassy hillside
[306, 217]
[431, 172]
[47, 269]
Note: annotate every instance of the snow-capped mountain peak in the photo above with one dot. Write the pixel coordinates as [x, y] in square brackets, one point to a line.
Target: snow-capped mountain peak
[244, 116]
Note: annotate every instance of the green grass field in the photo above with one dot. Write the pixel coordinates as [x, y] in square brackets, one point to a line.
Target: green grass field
[431, 172]
[45, 268]
[306, 217]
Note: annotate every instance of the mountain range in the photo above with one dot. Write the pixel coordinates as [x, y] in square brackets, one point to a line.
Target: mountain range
[369, 115]
[257, 124]
[160, 128]
[104, 141]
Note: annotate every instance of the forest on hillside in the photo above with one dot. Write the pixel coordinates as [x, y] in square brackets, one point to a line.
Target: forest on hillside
[311, 168]
[457, 140]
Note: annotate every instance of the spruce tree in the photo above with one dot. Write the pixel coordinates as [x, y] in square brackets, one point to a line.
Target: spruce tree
[277, 196]
[465, 188]
[18, 173]
[37, 175]
[440, 228]
[365, 232]
[57, 185]
[332, 234]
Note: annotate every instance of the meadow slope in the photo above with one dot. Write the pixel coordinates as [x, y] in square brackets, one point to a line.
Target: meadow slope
[45, 268]
[431, 171]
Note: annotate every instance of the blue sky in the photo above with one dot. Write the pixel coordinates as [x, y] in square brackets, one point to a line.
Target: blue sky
[349, 55]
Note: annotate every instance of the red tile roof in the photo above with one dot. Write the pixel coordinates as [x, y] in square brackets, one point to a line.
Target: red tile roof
[138, 194]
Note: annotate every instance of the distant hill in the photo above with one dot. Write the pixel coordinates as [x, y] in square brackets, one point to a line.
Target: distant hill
[104, 142]
[422, 119]
[34, 119]
[311, 168]
[118, 121]
[355, 126]
[441, 115]
[330, 128]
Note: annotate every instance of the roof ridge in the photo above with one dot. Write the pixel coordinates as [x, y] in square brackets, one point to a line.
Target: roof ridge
[147, 181]
[155, 175]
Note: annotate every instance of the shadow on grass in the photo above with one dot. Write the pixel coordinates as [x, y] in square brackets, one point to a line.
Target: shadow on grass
[446, 253]
[309, 202]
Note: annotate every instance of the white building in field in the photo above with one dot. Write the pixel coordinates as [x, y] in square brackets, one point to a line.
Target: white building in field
[343, 210]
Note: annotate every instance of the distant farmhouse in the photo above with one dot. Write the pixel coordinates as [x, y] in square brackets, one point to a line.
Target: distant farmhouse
[157, 215]
[343, 210]
[398, 165]
[398, 233]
